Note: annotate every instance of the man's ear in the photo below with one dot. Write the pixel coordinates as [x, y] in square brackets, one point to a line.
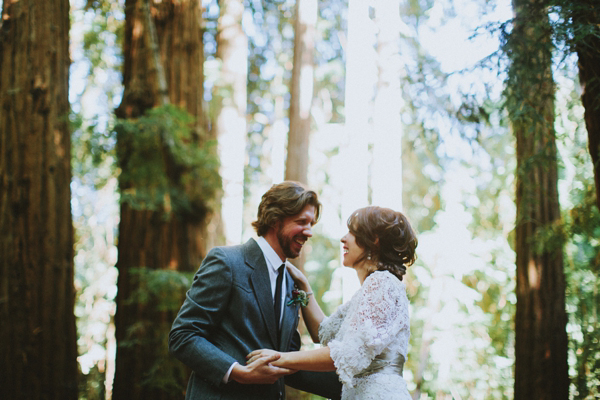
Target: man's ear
[275, 227]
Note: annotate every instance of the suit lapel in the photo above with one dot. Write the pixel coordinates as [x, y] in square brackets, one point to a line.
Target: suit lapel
[262, 288]
[290, 315]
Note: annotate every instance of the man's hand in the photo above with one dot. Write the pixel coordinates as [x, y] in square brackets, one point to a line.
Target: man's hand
[259, 370]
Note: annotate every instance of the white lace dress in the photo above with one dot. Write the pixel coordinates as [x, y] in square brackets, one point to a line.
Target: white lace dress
[374, 322]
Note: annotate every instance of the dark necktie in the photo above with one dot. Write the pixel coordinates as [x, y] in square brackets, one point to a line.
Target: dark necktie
[277, 301]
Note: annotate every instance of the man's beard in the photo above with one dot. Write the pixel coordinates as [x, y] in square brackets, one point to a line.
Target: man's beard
[286, 243]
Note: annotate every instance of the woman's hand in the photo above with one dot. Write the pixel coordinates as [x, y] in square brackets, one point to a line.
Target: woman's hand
[308, 360]
[259, 371]
[312, 313]
[264, 353]
[299, 278]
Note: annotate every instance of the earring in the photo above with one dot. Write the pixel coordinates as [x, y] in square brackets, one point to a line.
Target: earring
[369, 255]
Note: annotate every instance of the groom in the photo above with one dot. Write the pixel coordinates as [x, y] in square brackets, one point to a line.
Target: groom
[238, 303]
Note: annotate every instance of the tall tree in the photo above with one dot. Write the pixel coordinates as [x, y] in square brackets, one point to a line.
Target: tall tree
[301, 91]
[386, 179]
[230, 125]
[301, 99]
[38, 352]
[301, 96]
[585, 16]
[361, 77]
[540, 324]
[166, 185]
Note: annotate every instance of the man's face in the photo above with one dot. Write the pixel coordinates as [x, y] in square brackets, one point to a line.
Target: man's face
[294, 231]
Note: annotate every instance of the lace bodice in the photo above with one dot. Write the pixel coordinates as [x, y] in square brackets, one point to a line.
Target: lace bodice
[374, 321]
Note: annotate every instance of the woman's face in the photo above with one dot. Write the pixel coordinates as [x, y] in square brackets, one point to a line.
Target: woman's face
[351, 250]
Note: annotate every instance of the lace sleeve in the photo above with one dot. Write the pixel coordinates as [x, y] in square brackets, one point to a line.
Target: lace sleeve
[330, 326]
[381, 312]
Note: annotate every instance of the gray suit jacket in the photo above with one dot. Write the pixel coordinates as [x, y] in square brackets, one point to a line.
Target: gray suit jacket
[228, 312]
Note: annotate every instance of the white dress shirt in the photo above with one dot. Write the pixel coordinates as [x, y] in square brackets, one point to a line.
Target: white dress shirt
[273, 264]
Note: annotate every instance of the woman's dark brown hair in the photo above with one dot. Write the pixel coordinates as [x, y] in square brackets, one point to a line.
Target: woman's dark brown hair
[283, 200]
[386, 236]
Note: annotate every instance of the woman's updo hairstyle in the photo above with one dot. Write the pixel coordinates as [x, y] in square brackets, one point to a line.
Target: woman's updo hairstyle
[386, 236]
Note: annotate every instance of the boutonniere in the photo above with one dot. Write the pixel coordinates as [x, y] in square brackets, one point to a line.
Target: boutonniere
[299, 297]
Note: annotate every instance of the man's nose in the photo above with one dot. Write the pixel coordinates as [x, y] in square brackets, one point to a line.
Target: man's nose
[307, 231]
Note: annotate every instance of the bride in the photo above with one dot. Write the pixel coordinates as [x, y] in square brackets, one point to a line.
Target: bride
[365, 340]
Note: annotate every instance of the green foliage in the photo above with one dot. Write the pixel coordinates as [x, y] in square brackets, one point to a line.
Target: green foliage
[527, 42]
[163, 288]
[95, 86]
[91, 385]
[461, 291]
[104, 37]
[574, 26]
[425, 98]
[548, 238]
[93, 152]
[165, 164]
[582, 256]
[159, 293]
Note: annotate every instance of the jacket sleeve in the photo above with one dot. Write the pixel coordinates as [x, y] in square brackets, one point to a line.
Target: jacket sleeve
[324, 384]
[189, 339]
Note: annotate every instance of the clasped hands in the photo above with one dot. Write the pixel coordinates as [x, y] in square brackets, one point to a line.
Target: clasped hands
[260, 368]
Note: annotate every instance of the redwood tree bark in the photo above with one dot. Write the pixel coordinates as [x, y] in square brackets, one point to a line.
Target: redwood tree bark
[541, 370]
[38, 351]
[154, 239]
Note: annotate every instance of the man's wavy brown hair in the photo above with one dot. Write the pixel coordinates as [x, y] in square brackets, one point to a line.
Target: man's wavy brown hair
[385, 235]
[283, 200]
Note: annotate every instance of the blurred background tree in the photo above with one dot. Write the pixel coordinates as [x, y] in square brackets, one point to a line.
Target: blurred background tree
[167, 183]
[540, 320]
[38, 350]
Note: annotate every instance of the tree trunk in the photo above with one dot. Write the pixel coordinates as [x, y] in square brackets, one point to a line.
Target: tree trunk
[301, 98]
[155, 239]
[38, 350]
[230, 126]
[587, 14]
[386, 179]
[301, 91]
[540, 322]
[276, 134]
[361, 77]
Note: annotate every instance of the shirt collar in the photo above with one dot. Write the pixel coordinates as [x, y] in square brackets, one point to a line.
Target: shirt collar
[273, 260]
